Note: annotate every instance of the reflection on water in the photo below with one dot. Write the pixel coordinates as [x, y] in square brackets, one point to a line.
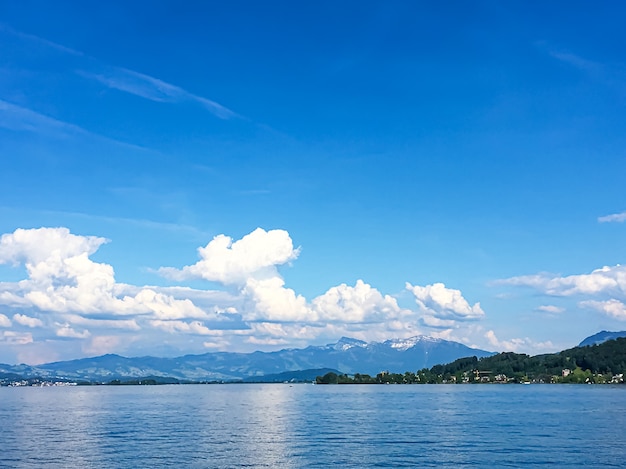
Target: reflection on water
[313, 426]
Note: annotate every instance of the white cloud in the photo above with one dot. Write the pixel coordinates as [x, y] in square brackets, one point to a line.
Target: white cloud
[222, 260]
[516, 345]
[41, 245]
[615, 217]
[216, 344]
[272, 301]
[27, 320]
[167, 307]
[265, 341]
[359, 304]
[5, 321]
[65, 330]
[62, 278]
[444, 303]
[16, 338]
[251, 264]
[604, 280]
[437, 323]
[127, 324]
[85, 302]
[550, 309]
[613, 308]
[194, 327]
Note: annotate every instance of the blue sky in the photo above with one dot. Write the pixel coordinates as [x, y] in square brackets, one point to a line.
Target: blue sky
[182, 178]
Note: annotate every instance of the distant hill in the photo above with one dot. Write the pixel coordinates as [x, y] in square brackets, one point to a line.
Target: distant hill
[608, 358]
[347, 355]
[601, 337]
[302, 376]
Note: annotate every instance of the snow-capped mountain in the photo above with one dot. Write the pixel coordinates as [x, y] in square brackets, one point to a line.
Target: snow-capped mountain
[347, 355]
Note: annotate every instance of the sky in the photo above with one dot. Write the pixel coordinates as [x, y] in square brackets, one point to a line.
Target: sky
[182, 178]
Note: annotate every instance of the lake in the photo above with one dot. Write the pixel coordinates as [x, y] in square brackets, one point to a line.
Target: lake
[302, 425]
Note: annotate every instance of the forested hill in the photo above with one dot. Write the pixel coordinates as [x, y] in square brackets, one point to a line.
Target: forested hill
[608, 358]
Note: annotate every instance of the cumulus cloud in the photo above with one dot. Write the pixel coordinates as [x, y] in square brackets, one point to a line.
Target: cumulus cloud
[613, 218]
[64, 330]
[5, 321]
[193, 327]
[81, 299]
[272, 301]
[251, 264]
[43, 245]
[62, 278]
[360, 304]
[222, 260]
[27, 320]
[613, 308]
[611, 280]
[442, 303]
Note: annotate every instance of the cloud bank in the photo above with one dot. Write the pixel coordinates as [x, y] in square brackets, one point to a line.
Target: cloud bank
[67, 296]
[605, 289]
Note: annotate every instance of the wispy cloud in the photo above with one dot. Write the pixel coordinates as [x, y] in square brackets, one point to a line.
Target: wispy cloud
[126, 80]
[612, 75]
[613, 218]
[576, 61]
[154, 89]
[38, 40]
[137, 222]
[14, 117]
[21, 119]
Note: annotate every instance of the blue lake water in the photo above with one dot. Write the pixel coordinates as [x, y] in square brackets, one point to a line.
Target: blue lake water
[283, 426]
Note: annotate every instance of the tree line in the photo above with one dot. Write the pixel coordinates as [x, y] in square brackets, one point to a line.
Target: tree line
[591, 364]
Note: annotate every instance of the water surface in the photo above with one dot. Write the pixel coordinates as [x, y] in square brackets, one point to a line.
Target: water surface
[279, 425]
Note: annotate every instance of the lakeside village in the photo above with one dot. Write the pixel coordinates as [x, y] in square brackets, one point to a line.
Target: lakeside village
[37, 383]
[567, 376]
[576, 376]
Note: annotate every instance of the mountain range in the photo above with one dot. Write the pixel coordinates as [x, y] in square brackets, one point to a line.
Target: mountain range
[348, 355]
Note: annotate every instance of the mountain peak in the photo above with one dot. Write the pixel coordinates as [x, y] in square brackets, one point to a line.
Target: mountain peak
[346, 343]
[601, 337]
[410, 342]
